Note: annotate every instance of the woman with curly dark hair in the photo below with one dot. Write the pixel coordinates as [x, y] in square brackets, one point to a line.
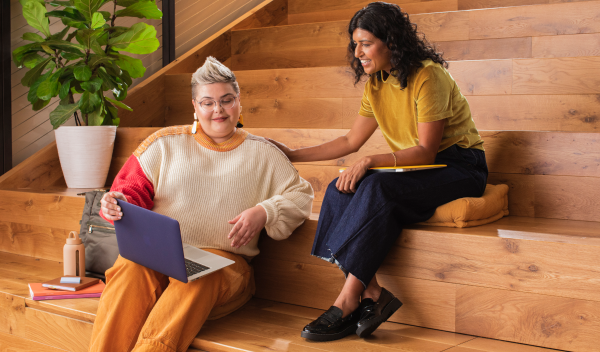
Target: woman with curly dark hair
[425, 119]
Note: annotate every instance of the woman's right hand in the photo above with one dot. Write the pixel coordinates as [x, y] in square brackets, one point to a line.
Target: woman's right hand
[109, 206]
[284, 148]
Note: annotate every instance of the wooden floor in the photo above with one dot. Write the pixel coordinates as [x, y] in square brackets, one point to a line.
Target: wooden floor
[261, 325]
[264, 325]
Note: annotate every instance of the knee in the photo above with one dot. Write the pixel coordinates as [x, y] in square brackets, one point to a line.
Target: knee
[332, 185]
[374, 181]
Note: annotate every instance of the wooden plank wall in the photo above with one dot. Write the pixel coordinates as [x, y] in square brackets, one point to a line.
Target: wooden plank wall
[310, 11]
[31, 130]
[197, 20]
[521, 68]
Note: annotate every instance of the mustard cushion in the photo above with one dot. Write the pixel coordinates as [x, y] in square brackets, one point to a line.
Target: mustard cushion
[467, 212]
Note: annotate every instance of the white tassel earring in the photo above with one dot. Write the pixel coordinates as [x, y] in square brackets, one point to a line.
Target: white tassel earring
[195, 126]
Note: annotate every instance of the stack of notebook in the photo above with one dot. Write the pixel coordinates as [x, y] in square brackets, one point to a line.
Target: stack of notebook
[55, 289]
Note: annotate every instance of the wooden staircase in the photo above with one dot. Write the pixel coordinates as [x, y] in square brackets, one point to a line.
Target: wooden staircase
[530, 72]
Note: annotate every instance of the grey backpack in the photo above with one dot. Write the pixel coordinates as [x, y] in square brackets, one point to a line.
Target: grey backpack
[98, 236]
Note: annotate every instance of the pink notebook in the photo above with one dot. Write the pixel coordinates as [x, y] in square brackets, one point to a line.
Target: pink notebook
[39, 293]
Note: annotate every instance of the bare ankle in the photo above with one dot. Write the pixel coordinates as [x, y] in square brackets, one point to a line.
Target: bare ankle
[372, 293]
[346, 305]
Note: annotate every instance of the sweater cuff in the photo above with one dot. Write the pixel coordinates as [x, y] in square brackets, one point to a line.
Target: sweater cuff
[272, 211]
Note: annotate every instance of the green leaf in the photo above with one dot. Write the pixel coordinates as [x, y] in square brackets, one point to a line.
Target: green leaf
[35, 14]
[96, 117]
[135, 67]
[75, 24]
[145, 9]
[117, 31]
[48, 89]
[89, 102]
[93, 85]
[32, 60]
[64, 89]
[107, 81]
[139, 39]
[126, 3]
[62, 113]
[119, 104]
[77, 16]
[61, 3]
[24, 2]
[82, 73]
[39, 104]
[126, 77]
[97, 20]
[96, 60]
[47, 49]
[22, 51]
[121, 93]
[33, 37]
[60, 35]
[32, 95]
[65, 46]
[89, 39]
[51, 65]
[88, 7]
[107, 15]
[71, 56]
[112, 113]
[32, 75]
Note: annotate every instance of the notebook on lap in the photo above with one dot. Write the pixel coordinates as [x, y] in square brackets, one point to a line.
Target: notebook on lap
[404, 168]
[154, 241]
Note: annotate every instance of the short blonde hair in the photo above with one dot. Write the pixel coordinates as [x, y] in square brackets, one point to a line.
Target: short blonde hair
[213, 72]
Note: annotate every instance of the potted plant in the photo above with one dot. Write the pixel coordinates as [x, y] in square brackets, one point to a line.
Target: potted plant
[83, 64]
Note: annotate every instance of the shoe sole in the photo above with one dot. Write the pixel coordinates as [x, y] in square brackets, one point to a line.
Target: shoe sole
[368, 328]
[329, 337]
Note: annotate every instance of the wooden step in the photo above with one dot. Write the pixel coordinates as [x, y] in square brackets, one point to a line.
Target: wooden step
[503, 280]
[521, 92]
[515, 32]
[547, 162]
[442, 275]
[269, 326]
[301, 11]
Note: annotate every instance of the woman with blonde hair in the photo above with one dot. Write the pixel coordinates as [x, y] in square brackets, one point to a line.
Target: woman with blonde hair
[224, 186]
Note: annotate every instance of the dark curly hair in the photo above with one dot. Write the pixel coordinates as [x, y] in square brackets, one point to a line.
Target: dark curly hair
[408, 47]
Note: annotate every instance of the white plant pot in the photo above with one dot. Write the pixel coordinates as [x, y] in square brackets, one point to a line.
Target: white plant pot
[85, 153]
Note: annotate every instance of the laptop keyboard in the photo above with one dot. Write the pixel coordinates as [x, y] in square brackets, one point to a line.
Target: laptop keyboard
[193, 268]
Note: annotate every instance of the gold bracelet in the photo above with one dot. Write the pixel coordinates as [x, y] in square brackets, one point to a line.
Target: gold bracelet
[394, 155]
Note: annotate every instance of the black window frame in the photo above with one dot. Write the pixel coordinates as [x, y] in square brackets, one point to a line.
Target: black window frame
[168, 30]
[5, 94]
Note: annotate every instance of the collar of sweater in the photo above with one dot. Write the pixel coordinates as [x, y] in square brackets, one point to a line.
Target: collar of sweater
[238, 138]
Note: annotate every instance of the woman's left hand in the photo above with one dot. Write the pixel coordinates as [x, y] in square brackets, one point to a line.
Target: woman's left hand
[348, 179]
[247, 225]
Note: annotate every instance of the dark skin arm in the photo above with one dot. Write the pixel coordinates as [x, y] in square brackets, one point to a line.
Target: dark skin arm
[430, 137]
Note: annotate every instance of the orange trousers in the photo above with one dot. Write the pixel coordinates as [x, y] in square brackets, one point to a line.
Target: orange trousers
[143, 310]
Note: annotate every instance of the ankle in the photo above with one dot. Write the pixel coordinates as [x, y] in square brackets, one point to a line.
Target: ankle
[346, 305]
[372, 293]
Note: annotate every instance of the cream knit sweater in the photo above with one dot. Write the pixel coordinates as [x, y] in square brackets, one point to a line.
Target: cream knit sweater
[203, 185]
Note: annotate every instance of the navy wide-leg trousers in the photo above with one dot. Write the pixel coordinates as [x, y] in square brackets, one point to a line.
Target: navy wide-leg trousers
[356, 231]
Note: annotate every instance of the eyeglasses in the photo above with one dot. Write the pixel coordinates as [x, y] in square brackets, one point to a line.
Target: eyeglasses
[208, 104]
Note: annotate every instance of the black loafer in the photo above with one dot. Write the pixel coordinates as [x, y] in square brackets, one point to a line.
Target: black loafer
[331, 326]
[374, 314]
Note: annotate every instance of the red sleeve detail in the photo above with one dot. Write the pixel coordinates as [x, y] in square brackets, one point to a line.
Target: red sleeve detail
[133, 183]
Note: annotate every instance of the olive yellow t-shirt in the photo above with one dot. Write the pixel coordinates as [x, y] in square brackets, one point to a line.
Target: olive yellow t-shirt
[431, 95]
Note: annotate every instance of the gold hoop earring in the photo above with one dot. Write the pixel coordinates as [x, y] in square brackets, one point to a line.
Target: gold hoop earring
[195, 126]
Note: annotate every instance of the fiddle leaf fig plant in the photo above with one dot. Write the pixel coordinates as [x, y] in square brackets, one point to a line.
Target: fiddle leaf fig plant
[86, 58]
